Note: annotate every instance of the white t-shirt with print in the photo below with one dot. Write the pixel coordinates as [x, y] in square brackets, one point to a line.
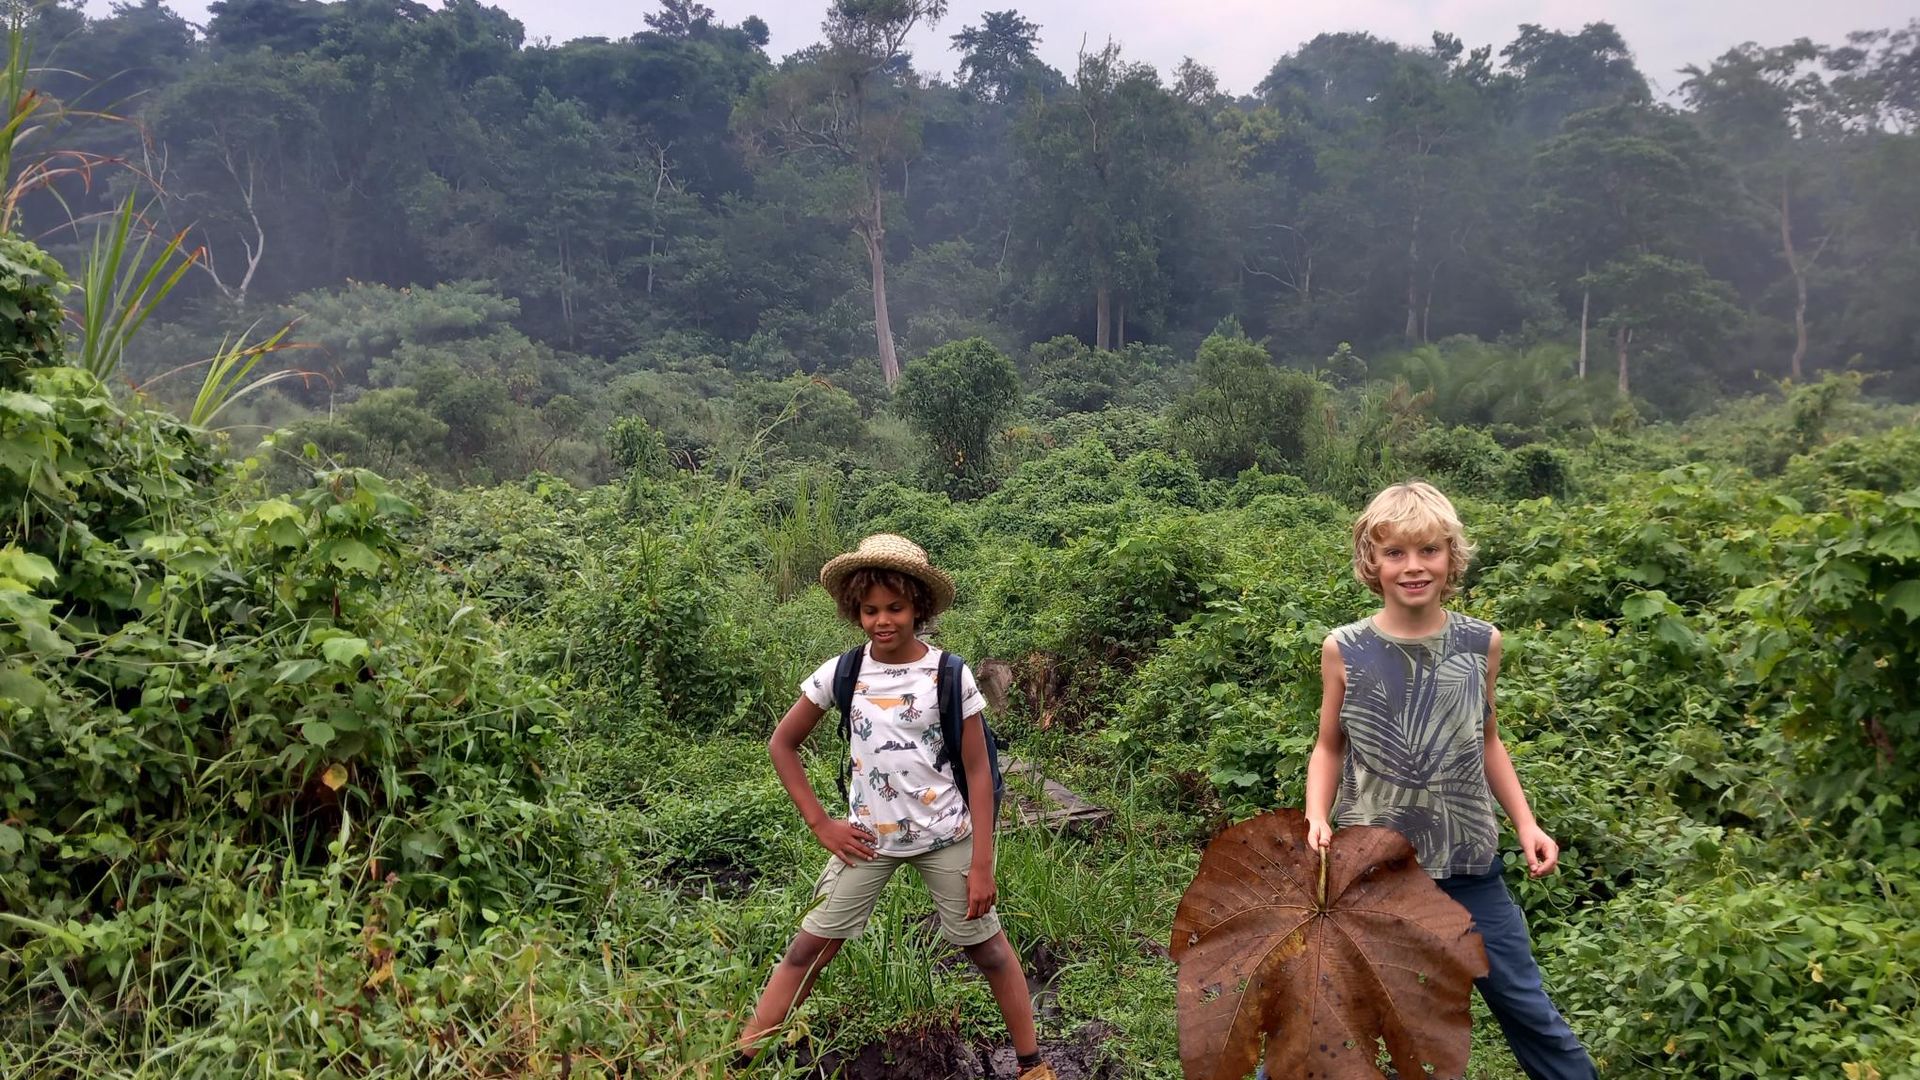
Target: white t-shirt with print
[896, 792]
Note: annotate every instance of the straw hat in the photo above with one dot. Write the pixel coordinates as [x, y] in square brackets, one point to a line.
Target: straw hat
[890, 552]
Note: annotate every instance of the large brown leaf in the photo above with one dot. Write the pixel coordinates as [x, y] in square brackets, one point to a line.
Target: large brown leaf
[1385, 955]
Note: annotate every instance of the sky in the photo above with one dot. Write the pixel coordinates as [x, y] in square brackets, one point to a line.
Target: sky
[1240, 39]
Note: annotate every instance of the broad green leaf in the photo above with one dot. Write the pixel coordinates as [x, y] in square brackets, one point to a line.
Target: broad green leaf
[423, 845]
[344, 650]
[43, 640]
[20, 404]
[1898, 541]
[18, 685]
[1674, 631]
[353, 555]
[1904, 598]
[1644, 605]
[25, 566]
[274, 510]
[10, 841]
[296, 671]
[317, 732]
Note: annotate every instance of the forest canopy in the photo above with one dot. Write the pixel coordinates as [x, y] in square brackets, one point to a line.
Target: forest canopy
[600, 227]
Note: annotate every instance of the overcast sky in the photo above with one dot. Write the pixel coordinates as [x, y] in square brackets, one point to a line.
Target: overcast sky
[1240, 39]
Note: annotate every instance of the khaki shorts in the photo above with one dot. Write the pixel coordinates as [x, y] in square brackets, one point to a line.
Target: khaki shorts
[845, 895]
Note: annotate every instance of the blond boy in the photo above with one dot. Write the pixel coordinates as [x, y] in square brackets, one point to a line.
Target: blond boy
[1408, 740]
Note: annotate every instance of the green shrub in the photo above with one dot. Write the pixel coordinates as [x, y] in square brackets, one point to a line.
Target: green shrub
[1887, 463]
[224, 711]
[1069, 376]
[930, 519]
[1745, 975]
[958, 397]
[1094, 610]
[635, 446]
[646, 630]
[1539, 472]
[1126, 431]
[1057, 496]
[1164, 478]
[1244, 412]
[1461, 461]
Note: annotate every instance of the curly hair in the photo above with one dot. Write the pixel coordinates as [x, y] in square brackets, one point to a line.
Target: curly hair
[853, 590]
[1416, 511]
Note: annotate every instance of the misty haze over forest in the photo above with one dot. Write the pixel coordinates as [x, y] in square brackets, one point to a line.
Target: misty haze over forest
[547, 237]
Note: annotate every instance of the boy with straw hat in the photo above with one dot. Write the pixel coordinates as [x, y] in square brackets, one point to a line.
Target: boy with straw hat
[909, 795]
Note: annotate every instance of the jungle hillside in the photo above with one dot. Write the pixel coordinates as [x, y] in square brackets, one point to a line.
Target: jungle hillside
[420, 444]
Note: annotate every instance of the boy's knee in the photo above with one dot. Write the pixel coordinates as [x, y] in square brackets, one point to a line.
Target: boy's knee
[810, 951]
[993, 955]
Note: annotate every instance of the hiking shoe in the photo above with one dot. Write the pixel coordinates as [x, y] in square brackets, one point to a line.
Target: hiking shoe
[1042, 1071]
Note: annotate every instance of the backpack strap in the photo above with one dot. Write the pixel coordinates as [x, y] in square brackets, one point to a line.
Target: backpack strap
[948, 694]
[846, 676]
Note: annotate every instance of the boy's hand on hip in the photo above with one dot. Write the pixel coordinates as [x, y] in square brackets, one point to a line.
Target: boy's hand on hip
[850, 842]
[1319, 834]
[1542, 853]
[980, 891]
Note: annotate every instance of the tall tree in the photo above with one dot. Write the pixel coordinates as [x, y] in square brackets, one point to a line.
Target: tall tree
[1560, 74]
[680, 18]
[241, 162]
[1618, 186]
[1102, 161]
[997, 59]
[1770, 112]
[849, 106]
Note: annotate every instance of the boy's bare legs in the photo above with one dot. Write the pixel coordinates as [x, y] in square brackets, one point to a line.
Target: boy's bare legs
[1001, 965]
[792, 980]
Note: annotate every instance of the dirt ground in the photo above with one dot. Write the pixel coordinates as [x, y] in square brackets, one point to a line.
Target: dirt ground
[941, 1054]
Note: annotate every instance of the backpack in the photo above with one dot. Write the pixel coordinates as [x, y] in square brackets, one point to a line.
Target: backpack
[847, 674]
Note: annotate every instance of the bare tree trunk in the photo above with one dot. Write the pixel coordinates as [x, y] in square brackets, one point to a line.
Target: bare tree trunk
[566, 287]
[255, 249]
[1120, 325]
[1799, 282]
[1426, 309]
[1586, 301]
[653, 238]
[1413, 284]
[1102, 317]
[1413, 278]
[1622, 338]
[873, 231]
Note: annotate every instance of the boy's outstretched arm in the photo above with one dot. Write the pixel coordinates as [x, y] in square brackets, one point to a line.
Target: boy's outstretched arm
[843, 838]
[981, 890]
[1323, 768]
[1541, 851]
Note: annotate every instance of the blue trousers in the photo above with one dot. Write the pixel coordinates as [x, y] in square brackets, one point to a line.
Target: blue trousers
[1542, 1043]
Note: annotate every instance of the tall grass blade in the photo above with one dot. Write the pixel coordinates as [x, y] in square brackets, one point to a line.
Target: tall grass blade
[121, 287]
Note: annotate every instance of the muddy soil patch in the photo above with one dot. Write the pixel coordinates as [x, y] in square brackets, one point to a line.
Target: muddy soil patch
[722, 879]
[933, 1054]
[1085, 1054]
[941, 1054]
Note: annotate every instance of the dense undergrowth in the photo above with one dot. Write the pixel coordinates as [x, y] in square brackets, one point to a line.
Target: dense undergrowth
[358, 779]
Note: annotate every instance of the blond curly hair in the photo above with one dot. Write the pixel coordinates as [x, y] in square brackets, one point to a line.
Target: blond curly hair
[1413, 511]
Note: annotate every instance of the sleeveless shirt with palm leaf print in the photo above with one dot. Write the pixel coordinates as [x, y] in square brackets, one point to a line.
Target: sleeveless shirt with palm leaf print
[1415, 716]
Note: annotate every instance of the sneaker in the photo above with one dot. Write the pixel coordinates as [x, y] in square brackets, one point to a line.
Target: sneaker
[1042, 1071]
